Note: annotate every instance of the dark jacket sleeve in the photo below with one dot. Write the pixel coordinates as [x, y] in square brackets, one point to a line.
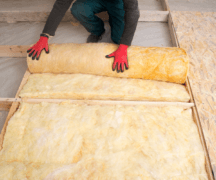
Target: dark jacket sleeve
[59, 9]
[131, 18]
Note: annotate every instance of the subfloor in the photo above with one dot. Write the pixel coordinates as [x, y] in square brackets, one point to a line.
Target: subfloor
[196, 33]
[193, 5]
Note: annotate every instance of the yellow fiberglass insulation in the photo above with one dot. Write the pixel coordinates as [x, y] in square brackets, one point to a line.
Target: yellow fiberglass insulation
[153, 63]
[71, 141]
[93, 87]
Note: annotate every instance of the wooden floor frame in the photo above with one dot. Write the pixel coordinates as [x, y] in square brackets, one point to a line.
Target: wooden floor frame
[12, 104]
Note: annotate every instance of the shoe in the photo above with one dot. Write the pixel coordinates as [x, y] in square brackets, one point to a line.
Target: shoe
[94, 38]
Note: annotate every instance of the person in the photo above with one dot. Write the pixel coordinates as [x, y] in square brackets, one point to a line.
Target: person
[123, 18]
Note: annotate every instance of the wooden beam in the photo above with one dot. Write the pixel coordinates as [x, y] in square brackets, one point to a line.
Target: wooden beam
[102, 102]
[5, 105]
[172, 32]
[31, 16]
[38, 16]
[208, 166]
[165, 5]
[13, 50]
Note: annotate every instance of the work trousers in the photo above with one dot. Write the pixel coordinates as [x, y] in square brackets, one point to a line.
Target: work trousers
[84, 11]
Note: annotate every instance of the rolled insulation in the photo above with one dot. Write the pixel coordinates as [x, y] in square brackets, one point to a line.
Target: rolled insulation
[154, 63]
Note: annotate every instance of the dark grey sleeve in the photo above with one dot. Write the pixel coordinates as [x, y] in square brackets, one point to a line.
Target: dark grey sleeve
[131, 18]
[59, 9]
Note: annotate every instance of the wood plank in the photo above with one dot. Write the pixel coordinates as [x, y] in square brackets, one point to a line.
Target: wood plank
[13, 50]
[207, 158]
[38, 16]
[107, 102]
[5, 105]
[195, 33]
[165, 5]
[172, 32]
[188, 87]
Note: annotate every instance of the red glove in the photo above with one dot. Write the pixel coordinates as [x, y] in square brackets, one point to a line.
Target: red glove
[120, 58]
[36, 49]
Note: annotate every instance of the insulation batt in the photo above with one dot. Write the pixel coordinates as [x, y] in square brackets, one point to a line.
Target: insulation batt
[70, 141]
[85, 86]
[153, 63]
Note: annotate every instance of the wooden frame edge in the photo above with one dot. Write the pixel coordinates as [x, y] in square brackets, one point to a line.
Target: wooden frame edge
[165, 5]
[101, 102]
[13, 50]
[172, 31]
[39, 16]
[208, 166]
[5, 105]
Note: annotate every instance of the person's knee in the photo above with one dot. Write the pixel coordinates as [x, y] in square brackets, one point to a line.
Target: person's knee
[80, 9]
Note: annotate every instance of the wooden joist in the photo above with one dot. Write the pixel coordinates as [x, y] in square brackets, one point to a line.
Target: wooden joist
[165, 5]
[13, 50]
[38, 16]
[5, 105]
[172, 32]
[101, 102]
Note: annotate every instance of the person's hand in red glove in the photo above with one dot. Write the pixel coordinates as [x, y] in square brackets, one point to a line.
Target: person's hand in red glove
[36, 49]
[120, 58]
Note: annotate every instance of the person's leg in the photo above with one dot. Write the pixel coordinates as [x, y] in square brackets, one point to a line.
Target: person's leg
[116, 19]
[84, 11]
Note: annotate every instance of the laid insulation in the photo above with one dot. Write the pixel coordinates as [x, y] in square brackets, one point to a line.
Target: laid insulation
[93, 87]
[71, 141]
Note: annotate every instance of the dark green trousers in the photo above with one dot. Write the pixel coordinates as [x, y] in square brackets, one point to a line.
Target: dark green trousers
[84, 11]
